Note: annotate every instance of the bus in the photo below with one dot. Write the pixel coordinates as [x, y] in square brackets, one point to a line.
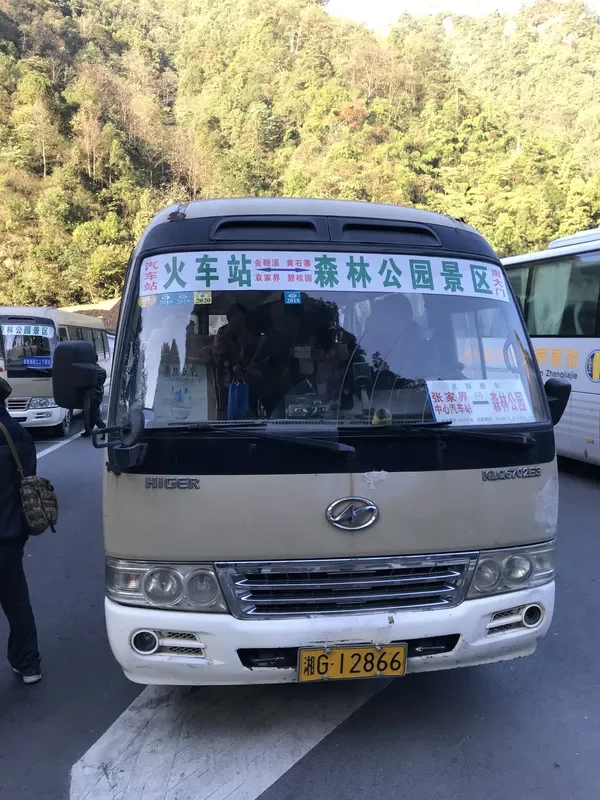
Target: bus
[304, 480]
[559, 293]
[27, 342]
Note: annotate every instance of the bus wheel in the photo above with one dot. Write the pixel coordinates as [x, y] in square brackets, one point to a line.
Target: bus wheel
[62, 429]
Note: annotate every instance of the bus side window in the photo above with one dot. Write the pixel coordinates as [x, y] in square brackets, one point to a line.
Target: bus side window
[564, 297]
[62, 334]
[98, 343]
[75, 333]
[89, 337]
[546, 306]
[518, 277]
[583, 303]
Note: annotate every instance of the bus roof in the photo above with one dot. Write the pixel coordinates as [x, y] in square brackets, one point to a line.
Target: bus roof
[591, 235]
[58, 315]
[576, 243]
[268, 206]
[287, 206]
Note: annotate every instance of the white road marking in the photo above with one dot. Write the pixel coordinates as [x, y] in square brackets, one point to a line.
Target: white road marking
[222, 743]
[58, 445]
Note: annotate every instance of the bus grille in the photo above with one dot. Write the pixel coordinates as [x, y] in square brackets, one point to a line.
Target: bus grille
[17, 403]
[345, 586]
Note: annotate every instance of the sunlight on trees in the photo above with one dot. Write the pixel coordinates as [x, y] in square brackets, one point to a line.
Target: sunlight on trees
[110, 110]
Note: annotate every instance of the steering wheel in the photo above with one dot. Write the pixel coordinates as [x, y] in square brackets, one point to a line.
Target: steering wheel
[507, 357]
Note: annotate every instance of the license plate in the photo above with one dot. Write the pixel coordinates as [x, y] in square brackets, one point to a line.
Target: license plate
[342, 663]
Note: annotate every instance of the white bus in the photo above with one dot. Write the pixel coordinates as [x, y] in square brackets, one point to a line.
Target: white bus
[559, 291]
[306, 481]
[27, 341]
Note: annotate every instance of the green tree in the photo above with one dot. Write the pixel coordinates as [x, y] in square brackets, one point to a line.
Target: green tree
[109, 111]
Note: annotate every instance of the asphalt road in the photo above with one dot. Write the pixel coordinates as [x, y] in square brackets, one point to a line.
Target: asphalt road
[43, 728]
[525, 729]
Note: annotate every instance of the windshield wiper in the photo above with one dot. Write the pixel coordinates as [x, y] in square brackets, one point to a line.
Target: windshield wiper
[416, 426]
[262, 433]
[524, 440]
[519, 439]
[443, 427]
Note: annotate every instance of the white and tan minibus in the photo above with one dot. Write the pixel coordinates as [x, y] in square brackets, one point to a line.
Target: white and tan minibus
[28, 338]
[306, 477]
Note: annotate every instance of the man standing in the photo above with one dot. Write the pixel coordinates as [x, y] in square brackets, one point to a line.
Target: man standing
[96, 420]
[23, 652]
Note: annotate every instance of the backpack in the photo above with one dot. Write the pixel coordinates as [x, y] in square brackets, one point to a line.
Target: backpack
[39, 503]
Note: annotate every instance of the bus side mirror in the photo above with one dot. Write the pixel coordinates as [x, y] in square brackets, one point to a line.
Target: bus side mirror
[558, 392]
[363, 378]
[73, 373]
[363, 381]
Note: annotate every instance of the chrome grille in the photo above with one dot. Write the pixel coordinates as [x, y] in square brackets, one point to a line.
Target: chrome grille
[505, 621]
[198, 652]
[345, 586]
[17, 403]
[188, 637]
[179, 643]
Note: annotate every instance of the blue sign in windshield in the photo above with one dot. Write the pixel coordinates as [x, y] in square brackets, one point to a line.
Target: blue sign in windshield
[38, 361]
[28, 345]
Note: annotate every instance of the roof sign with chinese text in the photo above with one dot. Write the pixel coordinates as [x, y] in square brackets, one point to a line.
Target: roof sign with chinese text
[480, 402]
[178, 273]
[19, 329]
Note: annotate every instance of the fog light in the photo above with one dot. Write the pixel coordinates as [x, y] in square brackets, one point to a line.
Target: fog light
[532, 616]
[145, 642]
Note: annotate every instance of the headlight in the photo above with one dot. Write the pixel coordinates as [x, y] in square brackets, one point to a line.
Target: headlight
[487, 575]
[162, 586]
[518, 569]
[42, 402]
[202, 589]
[186, 587]
[499, 571]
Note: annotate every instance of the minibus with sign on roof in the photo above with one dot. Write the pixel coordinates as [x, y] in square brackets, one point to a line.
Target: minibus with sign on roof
[313, 471]
[28, 337]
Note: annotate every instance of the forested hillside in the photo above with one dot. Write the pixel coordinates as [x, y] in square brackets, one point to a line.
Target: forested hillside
[110, 109]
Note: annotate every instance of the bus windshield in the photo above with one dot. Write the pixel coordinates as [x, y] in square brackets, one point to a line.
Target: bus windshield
[28, 345]
[312, 356]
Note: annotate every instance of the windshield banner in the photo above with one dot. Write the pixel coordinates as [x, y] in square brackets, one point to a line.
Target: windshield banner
[37, 361]
[180, 276]
[46, 331]
[476, 402]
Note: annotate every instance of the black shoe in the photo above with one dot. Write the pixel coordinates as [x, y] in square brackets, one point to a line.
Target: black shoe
[29, 675]
[85, 435]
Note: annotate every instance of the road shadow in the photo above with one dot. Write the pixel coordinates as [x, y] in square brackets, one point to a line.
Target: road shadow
[579, 469]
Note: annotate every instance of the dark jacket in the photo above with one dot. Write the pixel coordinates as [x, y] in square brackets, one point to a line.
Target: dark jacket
[100, 381]
[12, 525]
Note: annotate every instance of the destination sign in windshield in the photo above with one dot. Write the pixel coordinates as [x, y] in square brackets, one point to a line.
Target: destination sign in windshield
[188, 272]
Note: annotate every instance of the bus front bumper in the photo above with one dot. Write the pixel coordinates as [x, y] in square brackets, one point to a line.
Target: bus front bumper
[483, 627]
[38, 417]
